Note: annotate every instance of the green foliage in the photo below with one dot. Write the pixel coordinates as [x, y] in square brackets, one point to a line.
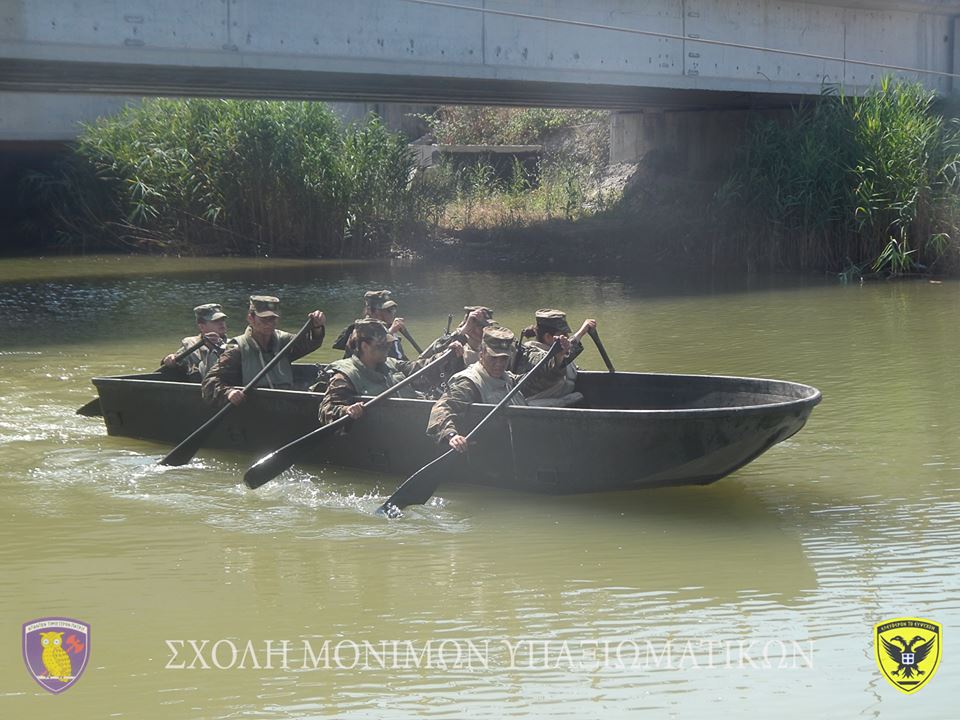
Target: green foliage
[486, 125]
[231, 176]
[850, 183]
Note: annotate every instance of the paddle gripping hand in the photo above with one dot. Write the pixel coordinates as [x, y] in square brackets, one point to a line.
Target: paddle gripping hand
[318, 319]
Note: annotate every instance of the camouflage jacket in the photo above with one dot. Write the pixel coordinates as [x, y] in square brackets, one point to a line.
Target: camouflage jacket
[194, 366]
[341, 393]
[531, 353]
[227, 372]
[448, 414]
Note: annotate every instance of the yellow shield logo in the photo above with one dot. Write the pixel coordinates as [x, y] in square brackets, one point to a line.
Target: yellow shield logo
[908, 651]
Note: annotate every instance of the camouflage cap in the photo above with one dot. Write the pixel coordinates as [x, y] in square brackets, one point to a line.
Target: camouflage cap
[553, 321]
[498, 341]
[370, 329]
[379, 300]
[209, 312]
[265, 306]
[488, 313]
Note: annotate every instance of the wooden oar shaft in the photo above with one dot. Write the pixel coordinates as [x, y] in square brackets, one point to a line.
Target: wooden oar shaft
[603, 351]
[412, 492]
[410, 339]
[183, 452]
[269, 466]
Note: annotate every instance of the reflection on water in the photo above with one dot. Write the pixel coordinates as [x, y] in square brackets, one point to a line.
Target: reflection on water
[852, 521]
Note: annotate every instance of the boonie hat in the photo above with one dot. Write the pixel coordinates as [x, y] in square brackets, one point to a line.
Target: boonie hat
[498, 341]
[553, 321]
[265, 306]
[379, 300]
[370, 329]
[209, 312]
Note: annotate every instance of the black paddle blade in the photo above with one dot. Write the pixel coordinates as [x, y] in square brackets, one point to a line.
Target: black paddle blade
[389, 511]
[267, 468]
[416, 489]
[184, 452]
[91, 409]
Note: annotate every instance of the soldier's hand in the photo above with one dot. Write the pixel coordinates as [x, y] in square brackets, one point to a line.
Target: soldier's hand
[355, 411]
[457, 348]
[318, 318]
[212, 339]
[565, 345]
[398, 325]
[170, 360]
[459, 443]
[236, 396]
[588, 325]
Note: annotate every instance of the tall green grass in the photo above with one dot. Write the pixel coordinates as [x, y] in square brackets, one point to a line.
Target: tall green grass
[232, 177]
[850, 184]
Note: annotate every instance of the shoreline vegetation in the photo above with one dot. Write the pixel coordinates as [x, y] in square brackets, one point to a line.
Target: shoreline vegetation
[853, 186]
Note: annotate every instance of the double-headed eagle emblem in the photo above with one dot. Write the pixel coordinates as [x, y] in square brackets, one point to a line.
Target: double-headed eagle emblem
[908, 664]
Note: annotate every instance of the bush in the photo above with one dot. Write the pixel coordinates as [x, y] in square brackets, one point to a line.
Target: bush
[232, 176]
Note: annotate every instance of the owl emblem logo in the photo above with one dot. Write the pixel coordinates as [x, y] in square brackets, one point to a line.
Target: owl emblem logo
[56, 650]
[908, 651]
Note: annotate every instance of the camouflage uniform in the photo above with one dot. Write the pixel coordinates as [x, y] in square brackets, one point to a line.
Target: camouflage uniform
[352, 379]
[474, 384]
[373, 300]
[244, 357]
[195, 366]
[438, 379]
[561, 380]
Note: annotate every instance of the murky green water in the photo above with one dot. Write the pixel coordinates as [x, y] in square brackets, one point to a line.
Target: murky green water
[852, 521]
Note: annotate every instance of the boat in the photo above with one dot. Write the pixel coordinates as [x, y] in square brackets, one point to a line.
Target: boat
[631, 430]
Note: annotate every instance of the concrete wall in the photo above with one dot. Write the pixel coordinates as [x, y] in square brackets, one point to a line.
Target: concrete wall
[36, 116]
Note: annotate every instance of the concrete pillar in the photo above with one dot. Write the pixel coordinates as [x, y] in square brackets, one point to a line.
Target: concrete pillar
[955, 41]
[696, 144]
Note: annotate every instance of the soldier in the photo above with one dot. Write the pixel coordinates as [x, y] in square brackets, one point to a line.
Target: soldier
[556, 389]
[378, 305]
[212, 324]
[486, 381]
[368, 371]
[248, 354]
[469, 334]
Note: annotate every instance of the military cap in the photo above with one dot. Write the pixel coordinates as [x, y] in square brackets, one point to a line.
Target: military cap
[370, 329]
[553, 321]
[209, 312]
[265, 306]
[379, 300]
[498, 341]
[486, 311]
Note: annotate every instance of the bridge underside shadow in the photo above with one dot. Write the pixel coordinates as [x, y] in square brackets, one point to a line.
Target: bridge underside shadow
[48, 76]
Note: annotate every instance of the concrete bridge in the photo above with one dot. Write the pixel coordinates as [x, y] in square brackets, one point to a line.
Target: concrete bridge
[621, 54]
[639, 56]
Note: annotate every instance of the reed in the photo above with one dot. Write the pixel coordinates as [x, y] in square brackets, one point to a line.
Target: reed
[232, 177]
[849, 184]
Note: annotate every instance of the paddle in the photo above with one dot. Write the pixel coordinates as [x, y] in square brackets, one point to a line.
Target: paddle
[603, 352]
[93, 409]
[410, 339]
[183, 452]
[419, 487]
[269, 466]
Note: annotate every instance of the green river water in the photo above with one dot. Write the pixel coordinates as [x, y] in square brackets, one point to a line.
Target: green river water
[766, 586]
